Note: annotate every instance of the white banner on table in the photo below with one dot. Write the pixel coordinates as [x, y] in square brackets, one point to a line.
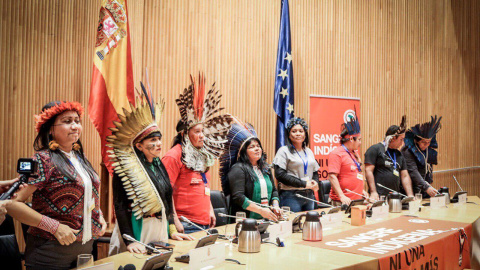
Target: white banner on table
[379, 212]
[283, 229]
[437, 202]
[331, 220]
[207, 256]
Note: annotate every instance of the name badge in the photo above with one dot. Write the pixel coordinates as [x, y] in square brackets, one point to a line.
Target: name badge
[306, 179]
[207, 191]
[207, 256]
[395, 172]
[360, 176]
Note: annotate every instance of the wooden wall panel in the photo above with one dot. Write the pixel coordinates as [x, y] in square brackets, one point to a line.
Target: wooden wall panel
[400, 57]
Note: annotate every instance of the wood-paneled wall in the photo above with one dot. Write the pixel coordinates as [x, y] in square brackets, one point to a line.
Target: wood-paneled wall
[400, 57]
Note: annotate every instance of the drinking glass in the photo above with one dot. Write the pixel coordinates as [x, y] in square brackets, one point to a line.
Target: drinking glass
[285, 212]
[383, 198]
[240, 216]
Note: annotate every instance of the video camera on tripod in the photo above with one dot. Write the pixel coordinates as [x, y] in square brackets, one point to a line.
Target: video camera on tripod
[27, 168]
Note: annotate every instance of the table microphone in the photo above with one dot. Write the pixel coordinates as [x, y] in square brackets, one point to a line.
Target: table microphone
[271, 207]
[457, 183]
[129, 238]
[188, 221]
[394, 190]
[230, 216]
[319, 202]
[363, 196]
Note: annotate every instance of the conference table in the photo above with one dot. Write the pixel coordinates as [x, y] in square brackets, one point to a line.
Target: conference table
[296, 255]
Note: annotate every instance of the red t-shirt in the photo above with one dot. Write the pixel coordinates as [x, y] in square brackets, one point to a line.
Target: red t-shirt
[341, 163]
[189, 196]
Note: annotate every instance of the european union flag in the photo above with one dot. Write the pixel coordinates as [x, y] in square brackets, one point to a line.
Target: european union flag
[283, 97]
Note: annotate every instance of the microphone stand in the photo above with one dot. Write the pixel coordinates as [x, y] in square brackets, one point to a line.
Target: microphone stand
[457, 183]
[319, 202]
[230, 216]
[271, 207]
[188, 221]
[128, 237]
[363, 196]
[394, 190]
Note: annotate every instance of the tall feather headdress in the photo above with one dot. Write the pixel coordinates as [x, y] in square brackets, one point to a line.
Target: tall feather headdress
[134, 125]
[199, 107]
[238, 135]
[427, 130]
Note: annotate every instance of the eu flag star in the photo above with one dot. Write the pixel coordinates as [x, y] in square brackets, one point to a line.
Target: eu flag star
[283, 74]
[284, 92]
[290, 108]
[288, 58]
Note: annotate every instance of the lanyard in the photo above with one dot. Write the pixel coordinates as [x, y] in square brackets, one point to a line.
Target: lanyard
[394, 159]
[204, 178]
[359, 166]
[305, 162]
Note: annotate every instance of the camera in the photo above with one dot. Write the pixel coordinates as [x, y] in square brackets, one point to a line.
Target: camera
[26, 166]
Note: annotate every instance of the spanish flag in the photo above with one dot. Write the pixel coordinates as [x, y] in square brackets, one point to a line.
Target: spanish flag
[112, 86]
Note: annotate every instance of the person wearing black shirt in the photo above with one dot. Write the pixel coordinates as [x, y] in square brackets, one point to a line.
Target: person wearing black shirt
[420, 152]
[385, 165]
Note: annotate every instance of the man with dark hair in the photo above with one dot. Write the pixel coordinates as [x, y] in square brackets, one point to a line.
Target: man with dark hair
[420, 152]
[385, 164]
[345, 167]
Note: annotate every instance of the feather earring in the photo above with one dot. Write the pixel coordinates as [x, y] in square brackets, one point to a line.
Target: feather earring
[53, 145]
[76, 146]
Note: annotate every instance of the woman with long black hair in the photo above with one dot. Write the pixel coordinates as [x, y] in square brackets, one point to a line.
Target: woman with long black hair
[246, 175]
[65, 216]
[296, 169]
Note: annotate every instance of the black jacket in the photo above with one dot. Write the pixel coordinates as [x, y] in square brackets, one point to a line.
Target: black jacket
[290, 180]
[420, 177]
[241, 182]
[123, 209]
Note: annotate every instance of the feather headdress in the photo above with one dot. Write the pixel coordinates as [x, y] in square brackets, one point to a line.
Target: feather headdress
[199, 107]
[403, 126]
[238, 135]
[427, 130]
[136, 124]
[352, 125]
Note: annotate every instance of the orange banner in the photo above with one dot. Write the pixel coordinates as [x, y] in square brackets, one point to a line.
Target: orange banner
[407, 243]
[327, 114]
